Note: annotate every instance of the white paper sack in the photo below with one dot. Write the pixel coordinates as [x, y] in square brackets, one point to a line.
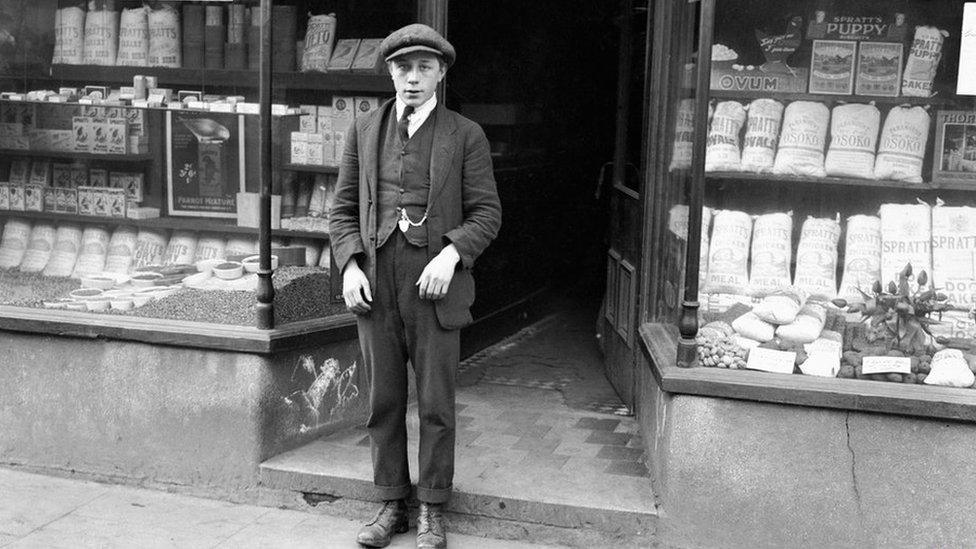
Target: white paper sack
[753, 327]
[94, 251]
[778, 309]
[67, 244]
[816, 258]
[949, 369]
[684, 136]
[853, 140]
[722, 152]
[13, 246]
[728, 255]
[762, 134]
[862, 257]
[906, 237]
[678, 225]
[902, 146]
[954, 253]
[133, 37]
[165, 38]
[807, 326]
[923, 62]
[772, 249]
[802, 141]
[39, 248]
[101, 37]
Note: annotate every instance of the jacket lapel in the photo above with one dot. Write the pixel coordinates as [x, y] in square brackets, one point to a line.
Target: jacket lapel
[371, 145]
[442, 151]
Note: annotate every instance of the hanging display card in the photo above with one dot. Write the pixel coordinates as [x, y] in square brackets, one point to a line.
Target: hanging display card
[847, 26]
[879, 69]
[966, 82]
[886, 365]
[768, 360]
[832, 67]
[955, 147]
[205, 163]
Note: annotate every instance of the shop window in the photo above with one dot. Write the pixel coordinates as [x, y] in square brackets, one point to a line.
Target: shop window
[837, 200]
[130, 165]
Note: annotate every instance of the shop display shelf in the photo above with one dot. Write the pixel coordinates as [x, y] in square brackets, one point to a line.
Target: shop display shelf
[182, 223]
[313, 168]
[334, 82]
[828, 98]
[141, 157]
[714, 177]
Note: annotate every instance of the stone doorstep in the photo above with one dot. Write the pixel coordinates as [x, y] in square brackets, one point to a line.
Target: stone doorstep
[294, 471]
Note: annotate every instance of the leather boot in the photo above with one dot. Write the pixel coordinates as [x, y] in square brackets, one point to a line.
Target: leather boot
[392, 519]
[431, 533]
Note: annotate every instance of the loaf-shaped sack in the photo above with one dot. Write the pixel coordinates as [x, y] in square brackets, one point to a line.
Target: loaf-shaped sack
[722, 152]
[762, 134]
[807, 325]
[853, 140]
[901, 149]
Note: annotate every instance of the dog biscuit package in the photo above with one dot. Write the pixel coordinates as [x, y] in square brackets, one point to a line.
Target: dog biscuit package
[762, 134]
[722, 152]
[901, 149]
[802, 141]
[853, 140]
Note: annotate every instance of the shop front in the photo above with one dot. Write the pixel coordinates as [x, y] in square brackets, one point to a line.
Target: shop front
[169, 308]
[805, 331]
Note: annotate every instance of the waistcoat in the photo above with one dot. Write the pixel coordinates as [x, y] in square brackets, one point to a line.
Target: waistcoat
[403, 179]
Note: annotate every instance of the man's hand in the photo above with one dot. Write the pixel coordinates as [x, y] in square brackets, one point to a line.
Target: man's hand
[437, 275]
[355, 288]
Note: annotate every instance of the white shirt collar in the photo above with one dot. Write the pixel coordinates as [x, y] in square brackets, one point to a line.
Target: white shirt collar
[419, 115]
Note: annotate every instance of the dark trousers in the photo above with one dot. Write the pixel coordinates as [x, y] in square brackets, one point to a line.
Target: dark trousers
[402, 326]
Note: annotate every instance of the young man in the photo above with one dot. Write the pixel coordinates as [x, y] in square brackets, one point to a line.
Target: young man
[415, 205]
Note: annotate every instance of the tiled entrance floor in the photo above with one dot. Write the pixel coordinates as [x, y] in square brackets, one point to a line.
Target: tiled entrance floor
[540, 431]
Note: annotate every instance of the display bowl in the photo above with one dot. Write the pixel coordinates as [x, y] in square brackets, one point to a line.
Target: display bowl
[207, 265]
[146, 279]
[84, 294]
[253, 262]
[98, 304]
[138, 300]
[98, 281]
[76, 306]
[229, 270]
[122, 304]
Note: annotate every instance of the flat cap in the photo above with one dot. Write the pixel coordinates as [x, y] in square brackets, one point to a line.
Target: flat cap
[417, 37]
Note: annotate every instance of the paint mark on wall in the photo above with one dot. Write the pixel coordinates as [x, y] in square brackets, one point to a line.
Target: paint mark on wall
[332, 388]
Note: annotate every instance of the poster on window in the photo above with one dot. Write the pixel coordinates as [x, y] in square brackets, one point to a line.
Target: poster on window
[205, 163]
[966, 83]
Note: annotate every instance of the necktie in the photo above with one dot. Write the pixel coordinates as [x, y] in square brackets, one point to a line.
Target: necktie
[404, 123]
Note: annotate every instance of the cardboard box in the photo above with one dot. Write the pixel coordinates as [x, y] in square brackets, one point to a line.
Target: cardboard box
[67, 201]
[878, 69]
[40, 173]
[84, 133]
[324, 119]
[315, 149]
[39, 140]
[118, 137]
[136, 119]
[116, 202]
[50, 199]
[97, 177]
[86, 200]
[329, 156]
[19, 171]
[33, 198]
[141, 212]
[17, 198]
[368, 58]
[79, 176]
[955, 148]
[343, 54]
[4, 196]
[308, 122]
[366, 106]
[61, 175]
[62, 140]
[248, 212]
[100, 131]
[132, 183]
[299, 148]
[832, 67]
[11, 129]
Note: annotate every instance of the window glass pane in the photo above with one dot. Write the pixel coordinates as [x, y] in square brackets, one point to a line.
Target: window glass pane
[837, 156]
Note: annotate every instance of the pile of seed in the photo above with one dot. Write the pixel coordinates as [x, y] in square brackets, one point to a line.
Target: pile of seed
[301, 293]
[32, 289]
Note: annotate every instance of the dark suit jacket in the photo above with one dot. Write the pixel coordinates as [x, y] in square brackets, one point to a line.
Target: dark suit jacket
[464, 205]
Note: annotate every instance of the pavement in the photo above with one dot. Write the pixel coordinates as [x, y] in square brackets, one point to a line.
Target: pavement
[39, 511]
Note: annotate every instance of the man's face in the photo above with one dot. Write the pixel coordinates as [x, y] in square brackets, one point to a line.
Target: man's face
[415, 76]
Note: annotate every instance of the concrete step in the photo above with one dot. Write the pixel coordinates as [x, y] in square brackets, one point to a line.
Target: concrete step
[339, 467]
